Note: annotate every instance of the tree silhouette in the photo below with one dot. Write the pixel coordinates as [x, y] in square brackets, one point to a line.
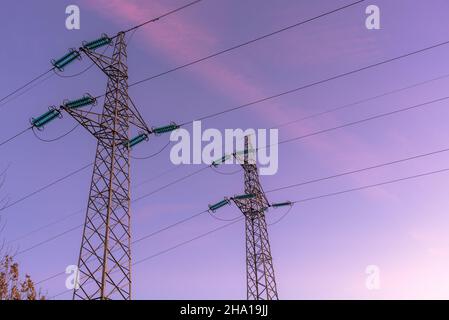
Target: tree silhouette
[12, 287]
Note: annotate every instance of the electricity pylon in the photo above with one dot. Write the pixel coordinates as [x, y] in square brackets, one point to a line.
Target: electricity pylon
[261, 283]
[104, 263]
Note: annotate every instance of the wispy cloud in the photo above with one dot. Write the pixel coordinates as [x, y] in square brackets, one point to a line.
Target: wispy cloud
[181, 39]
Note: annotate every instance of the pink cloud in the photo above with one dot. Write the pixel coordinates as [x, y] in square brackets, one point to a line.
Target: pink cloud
[180, 39]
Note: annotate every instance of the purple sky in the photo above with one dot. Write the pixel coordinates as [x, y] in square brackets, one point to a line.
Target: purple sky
[322, 247]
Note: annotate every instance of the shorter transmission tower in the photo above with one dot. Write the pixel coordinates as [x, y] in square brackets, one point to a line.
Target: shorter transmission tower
[261, 283]
[260, 277]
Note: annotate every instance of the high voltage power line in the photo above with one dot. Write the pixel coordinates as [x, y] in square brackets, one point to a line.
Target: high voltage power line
[26, 84]
[338, 76]
[312, 181]
[213, 55]
[284, 141]
[162, 16]
[341, 75]
[372, 98]
[22, 92]
[65, 217]
[352, 123]
[121, 45]
[14, 136]
[203, 58]
[167, 250]
[191, 217]
[412, 177]
[228, 49]
[281, 142]
[133, 201]
[126, 31]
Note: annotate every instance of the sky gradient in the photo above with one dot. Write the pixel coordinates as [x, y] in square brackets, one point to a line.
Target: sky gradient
[321, 249]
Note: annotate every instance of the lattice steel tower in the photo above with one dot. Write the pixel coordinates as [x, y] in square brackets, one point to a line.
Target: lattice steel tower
[261, 283]
[105, 255]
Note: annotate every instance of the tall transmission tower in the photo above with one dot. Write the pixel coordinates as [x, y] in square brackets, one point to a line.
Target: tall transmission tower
[261, 283]
[104, 263]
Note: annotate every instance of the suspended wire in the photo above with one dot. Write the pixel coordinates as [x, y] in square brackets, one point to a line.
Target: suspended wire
[284, 141]
[45, 187]
[76, 74]
[133, 201]
[345, 106]
[64, 218]
[187, 241]
[245, 43]
[377, 166]
[378, 116]
[213, 115]
[205, 58]
[57, 138]
[26, 90]
[222, 219]
[60, 294]
[48, 240]
[72, 174]
[327, 130]
[26, 84]
[50, 278]
[315, 83]
[226, 173]
[157, 176]
[280, 188]
[14, 136]
[297, 201]
[240, 218]
[289, 91]
[384, 62]
[372, 185]
[332, 194]
[154, 154]
[80, 210]
[189, 218]
[320, 82]
[181, 244]
[235, 46]
[171, 183]
[349, 124]
[126, 31]
[162, 16]
[35, 134]
[281, 217]
[389, 182]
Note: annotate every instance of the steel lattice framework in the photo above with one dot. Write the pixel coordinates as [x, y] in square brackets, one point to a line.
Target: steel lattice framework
[261, 283]
[105, 255]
